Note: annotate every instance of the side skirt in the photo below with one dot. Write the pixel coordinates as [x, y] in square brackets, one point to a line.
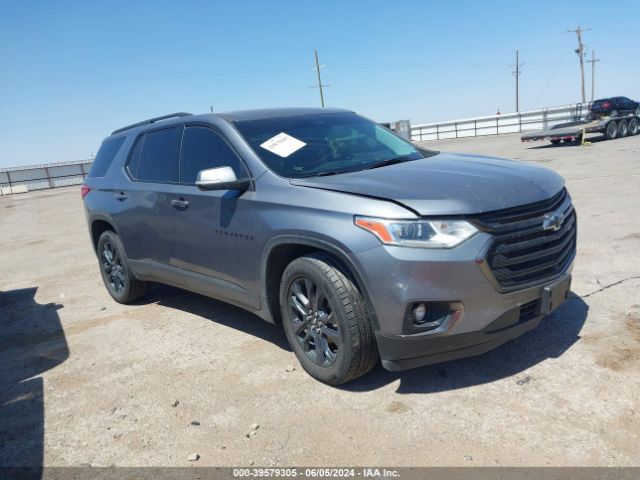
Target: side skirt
[213, 287]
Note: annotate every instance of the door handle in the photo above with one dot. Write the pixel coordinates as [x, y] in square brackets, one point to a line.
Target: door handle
[180, 204]
[120, 196]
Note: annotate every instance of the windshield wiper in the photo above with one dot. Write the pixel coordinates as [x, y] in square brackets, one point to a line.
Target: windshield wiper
[325, 174]
[383, 163]
[390, 161]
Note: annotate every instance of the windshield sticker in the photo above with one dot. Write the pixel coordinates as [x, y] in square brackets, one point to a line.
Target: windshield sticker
[283, 145]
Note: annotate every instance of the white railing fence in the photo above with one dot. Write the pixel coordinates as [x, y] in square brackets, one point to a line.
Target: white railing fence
[38, 177]
[496, 124]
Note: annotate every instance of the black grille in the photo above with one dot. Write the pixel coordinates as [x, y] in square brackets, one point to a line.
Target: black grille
[523, 252]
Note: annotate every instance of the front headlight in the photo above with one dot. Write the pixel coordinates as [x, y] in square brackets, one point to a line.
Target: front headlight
[418, 233]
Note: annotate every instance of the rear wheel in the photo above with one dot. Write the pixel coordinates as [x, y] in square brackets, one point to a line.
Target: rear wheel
[622, 129]
[611, 131]
[633, 127]
[117, 277]
[555, 141]
[326, 320]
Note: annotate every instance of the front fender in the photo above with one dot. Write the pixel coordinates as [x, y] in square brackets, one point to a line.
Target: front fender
[346, 259]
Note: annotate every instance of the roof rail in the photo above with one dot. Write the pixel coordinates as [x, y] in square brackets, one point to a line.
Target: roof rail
[152, 120]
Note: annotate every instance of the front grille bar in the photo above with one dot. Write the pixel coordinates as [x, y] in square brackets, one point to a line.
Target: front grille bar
[523, 254]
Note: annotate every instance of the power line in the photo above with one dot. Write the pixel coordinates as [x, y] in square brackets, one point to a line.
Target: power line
[580, 51]
[518, 66]
[320, 84]
[546, 85]
[178, 76]
[593, 62]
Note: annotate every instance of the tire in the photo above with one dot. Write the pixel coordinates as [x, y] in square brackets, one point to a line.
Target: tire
[555, 141]
[115, 272]
[611, 131]
[622, 128]
[322, 307]
[633, 127]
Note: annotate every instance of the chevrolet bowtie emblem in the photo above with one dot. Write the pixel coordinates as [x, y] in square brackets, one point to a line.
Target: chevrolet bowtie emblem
[552, 221]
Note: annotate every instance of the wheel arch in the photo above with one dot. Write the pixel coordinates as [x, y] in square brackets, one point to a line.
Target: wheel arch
[280, 251]
[98, 226]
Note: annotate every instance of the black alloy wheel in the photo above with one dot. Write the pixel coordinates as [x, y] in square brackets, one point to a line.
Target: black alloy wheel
[121, 284]
[326, 320]
[313, 321]
[113, 268]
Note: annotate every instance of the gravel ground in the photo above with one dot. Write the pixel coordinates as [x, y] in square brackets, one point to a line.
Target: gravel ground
[86, 381]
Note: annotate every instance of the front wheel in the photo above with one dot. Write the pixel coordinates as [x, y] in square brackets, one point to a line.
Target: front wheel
[633, 127]
[326, 320]
[117, 277]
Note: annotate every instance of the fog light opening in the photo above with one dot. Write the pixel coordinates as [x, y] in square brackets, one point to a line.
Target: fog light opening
[423, 316]
[419, 313]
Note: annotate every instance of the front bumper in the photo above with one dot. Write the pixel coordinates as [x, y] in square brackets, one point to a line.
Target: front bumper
[488, 319]
[401, 352]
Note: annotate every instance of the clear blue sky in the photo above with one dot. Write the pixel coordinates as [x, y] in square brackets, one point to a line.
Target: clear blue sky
[72, 71]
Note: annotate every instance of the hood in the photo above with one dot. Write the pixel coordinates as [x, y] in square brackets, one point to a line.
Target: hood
[448, 184]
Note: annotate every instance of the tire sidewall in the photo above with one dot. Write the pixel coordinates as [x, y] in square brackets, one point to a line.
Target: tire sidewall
[297, 269]
[112, 238]
[623, 129]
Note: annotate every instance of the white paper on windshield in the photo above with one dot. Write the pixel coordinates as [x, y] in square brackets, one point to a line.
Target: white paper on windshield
[283, 145]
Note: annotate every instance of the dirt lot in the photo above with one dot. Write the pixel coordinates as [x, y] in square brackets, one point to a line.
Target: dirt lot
[85, 381]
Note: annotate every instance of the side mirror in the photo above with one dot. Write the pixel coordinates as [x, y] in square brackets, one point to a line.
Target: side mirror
[221, 178]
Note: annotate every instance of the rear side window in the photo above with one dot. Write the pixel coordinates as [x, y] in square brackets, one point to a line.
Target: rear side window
[105, 156]
[134, 157]
[202, 148]
[160, 155]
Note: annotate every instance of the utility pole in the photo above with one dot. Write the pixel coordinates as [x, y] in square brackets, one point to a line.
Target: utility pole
[580, 51]
[593, 73]
[320, 85]
[516, 73]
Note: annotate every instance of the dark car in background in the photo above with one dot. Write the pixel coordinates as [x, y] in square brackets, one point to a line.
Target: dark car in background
[613, 106]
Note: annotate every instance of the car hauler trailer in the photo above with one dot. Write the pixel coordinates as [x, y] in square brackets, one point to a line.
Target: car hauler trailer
[612, 127]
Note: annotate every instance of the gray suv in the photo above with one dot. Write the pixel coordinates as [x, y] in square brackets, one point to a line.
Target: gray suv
[364, 246]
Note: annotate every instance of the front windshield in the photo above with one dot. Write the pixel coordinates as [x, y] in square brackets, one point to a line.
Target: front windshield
[325, 144]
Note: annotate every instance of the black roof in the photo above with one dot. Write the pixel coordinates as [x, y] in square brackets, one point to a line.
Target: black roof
[243, 115]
